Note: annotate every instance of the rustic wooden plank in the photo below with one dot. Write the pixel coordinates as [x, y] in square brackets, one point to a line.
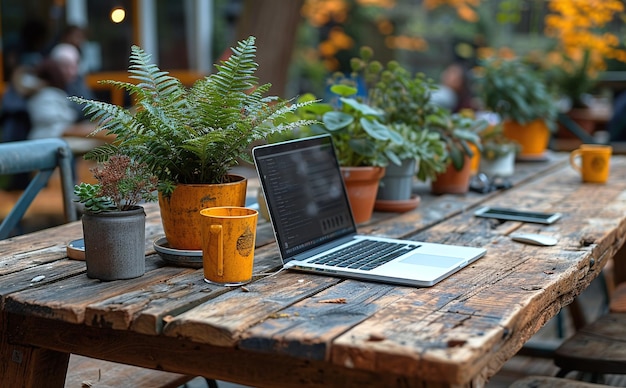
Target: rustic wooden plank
[28, 366]
[307, 328]
[552, 382]
[174, 354]
[151, 323]
[434, 209]
[31, 277]
[599, 347]
[222, 321]
[582, 229]
[416, 345]
[93, 373]
[80, 291]
[25, 252]
[449, 311]
[145, 310]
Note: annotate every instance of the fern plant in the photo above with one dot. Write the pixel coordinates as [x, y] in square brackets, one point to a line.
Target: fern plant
[191, 135]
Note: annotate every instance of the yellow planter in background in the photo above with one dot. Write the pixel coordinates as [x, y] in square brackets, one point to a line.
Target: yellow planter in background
[533, 137]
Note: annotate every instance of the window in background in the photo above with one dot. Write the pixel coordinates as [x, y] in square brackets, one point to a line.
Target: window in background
[172, 34]
[114, 39]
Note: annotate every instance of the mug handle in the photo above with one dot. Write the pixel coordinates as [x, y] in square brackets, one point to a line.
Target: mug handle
[572, 160]
[217, 247]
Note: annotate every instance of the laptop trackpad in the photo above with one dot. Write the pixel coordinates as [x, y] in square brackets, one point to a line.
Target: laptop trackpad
[432, 260]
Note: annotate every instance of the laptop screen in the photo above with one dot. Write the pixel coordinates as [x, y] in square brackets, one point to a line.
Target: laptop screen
[305, 194]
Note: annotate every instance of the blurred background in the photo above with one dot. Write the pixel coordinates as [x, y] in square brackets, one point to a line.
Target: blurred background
[301, 42]
[577, 44]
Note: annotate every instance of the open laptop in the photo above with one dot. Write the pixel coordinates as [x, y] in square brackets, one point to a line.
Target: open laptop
[313, 223]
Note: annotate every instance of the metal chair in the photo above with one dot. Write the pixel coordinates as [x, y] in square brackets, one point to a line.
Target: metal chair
[42, 156]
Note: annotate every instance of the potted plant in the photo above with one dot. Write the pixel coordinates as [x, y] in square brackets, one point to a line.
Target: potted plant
[459, 132]
[190, 138]
[406, 101]
[572, 77]
[498, 152]
[113, 221]
[423, 155]
[362, 143]
[520, 96]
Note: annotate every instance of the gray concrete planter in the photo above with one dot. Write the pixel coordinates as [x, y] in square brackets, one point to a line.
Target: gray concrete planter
[397, 183]
[115, 244]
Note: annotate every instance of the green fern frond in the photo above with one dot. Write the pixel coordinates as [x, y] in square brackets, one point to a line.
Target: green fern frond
[192, 135]
[102, 153]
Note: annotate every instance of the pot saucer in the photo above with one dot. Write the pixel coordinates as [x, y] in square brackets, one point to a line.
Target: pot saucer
[177, 257]
[397, 206]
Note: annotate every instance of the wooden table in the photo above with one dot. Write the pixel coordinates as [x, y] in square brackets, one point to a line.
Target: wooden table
[295, 329]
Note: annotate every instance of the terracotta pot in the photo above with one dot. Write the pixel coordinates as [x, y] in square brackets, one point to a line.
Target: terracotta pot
[532, 137]
[453, 181]
[362, 186]
[180, 213]
[583, 117]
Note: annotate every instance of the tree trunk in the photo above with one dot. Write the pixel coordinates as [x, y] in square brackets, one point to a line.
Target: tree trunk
[274, 23]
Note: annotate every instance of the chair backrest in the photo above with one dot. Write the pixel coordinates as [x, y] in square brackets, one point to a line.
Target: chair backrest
[42, 156]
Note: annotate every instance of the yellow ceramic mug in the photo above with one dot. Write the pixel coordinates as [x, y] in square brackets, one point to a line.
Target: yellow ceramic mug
[595, 162]
[228, 236]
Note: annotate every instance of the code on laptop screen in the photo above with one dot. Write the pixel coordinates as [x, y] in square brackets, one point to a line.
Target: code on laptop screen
[305, 193]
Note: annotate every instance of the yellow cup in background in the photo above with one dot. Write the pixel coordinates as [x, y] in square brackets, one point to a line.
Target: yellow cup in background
[592, 161]
[228, 238]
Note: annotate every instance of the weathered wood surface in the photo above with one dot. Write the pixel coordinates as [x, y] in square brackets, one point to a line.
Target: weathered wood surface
[458, 332]
[92, 373]
[599, 347]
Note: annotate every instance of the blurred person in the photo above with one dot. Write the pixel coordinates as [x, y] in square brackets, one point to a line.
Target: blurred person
[68, 55]
[51, 113]
[454, 91]
[49, 109]
[77, 36]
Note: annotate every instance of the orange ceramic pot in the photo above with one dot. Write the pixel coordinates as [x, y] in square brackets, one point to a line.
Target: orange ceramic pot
[362, 186]
[180, 213]
[453, 181]
[475, 160]
[532, 137]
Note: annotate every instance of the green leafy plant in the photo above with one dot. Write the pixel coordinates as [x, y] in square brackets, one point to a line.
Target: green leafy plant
[122, 184]
[406, 100]
[427, 147]
[572, 78]
[516, 92]
[495, 144]
[359, 136]
[191, 135]
[458, 130]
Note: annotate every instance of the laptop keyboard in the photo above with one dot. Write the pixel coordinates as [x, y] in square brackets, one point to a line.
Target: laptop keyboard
[365, 254]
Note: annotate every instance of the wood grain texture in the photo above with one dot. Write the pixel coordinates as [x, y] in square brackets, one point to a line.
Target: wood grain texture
[297, 328]
[93, 373]
[599, 347]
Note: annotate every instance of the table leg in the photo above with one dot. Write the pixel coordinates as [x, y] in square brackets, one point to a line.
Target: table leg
[23, 366]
